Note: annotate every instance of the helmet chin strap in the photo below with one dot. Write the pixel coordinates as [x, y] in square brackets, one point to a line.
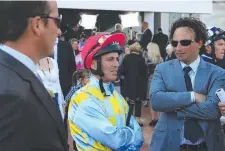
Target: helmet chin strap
[213, 51]
[100, 73]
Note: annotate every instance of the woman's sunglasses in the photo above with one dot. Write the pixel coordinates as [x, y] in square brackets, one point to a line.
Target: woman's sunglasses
[174, 43]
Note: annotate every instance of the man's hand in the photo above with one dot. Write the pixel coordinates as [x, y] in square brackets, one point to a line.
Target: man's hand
[222, 108]
[199, 97]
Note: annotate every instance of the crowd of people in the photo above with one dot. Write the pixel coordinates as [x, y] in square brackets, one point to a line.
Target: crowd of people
[57, 95]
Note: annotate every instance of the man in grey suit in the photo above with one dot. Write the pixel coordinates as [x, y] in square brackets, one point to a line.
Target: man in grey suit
[29, 118]
[183, 90]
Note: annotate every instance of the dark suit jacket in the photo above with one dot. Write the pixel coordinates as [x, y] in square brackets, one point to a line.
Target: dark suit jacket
[66, 64]
[162, 41]
[29, 118]
[146, 38]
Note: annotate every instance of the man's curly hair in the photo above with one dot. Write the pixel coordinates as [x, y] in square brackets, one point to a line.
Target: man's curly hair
[198, 27]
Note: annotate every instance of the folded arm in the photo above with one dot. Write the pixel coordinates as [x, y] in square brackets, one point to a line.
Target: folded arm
[91, 118]
[163, 101]
[139, 140]
[208, 109]
[133, 124]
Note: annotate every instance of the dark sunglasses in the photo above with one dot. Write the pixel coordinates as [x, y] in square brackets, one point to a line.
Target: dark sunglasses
[174, 43]
[57, 20]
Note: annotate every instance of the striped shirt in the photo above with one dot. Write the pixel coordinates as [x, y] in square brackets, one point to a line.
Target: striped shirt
[72, 91]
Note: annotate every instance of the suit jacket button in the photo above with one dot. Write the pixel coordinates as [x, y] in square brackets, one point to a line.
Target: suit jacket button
[178, 130]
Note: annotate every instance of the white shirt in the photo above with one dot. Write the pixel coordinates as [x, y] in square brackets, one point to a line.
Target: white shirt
[50, 79]
[194, 66]
[56, 50]
[145, 30]
[28, 62]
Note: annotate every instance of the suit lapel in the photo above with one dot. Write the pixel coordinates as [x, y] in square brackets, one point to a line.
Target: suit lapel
[178, 74]
[201, 75]
[37, 87]
[49, 104]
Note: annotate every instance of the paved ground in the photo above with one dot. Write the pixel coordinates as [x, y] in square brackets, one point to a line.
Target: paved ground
[147, 130]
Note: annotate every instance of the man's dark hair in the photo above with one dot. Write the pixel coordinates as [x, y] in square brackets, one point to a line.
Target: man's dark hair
[14, 17]
[198, 27]
[159, 29]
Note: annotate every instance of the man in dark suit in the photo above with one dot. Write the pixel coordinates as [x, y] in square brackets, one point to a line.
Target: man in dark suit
[162, 40]
[72, 31]
[63, 54]
[30, 119]
[146, 36]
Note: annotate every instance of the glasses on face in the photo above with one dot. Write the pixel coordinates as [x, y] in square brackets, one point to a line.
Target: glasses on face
[174, 43]
[57, 20]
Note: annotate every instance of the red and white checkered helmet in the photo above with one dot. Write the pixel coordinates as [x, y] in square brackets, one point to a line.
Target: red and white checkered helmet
[100, 44]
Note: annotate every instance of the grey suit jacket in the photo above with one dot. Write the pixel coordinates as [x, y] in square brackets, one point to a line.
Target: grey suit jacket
[168, 95]
[29, 118]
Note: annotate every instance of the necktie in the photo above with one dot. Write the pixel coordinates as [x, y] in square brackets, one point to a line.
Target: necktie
[192, 131]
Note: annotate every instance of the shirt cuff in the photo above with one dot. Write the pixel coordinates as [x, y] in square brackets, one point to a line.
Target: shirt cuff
[192, 97]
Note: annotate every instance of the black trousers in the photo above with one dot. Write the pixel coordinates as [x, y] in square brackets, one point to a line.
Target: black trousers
[137, 106]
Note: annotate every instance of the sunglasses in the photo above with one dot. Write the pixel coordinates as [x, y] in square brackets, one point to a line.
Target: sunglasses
[57, 20]
[174, 43]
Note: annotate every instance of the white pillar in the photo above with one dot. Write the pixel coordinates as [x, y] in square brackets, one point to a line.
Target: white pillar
[216, 18]
[165, 23]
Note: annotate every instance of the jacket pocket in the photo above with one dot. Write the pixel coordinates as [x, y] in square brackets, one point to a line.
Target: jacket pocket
[162, 127]
[160, 131]
[159, 140]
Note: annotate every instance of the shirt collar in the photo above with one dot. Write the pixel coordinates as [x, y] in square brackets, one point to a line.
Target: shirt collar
[109, 87]
[194, 65]
[28, 62]
[145, 30]
[57, 40]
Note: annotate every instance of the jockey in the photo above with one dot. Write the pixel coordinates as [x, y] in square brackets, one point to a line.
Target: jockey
[214, 46]
[97, 112]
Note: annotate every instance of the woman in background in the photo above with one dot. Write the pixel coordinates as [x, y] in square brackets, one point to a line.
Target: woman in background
[154, 59]
[48, 71]
[170, 53]
[80, 78]
[135, 79]
[120, 75]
